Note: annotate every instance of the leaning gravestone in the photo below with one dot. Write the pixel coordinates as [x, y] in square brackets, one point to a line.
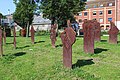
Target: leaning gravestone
[53, 34]
[88, 29]
[4, 37]
[97, 31]
[1, 43]
[32, 34]
[68, 38]
[113, 32]
[14, 34]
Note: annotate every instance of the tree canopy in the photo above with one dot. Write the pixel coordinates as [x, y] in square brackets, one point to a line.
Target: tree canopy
[24, 11]
[61, 10]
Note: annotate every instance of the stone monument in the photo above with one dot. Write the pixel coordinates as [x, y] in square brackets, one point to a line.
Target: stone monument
[53, 34]
[1, 43]
[113, 32]
[88, 29]
[32, 34]
[14, 34]
[97, 31]
[68, 37]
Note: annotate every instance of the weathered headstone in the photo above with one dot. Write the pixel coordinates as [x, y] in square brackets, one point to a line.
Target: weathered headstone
[4, 37]
[53, 34]
[1, 43]
[14, 34]
[32, 34]
[113, 32]
[97, 31]
[68, 38]
[88, 29]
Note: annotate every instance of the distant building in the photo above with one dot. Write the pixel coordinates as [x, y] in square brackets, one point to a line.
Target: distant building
[101, 10]
[39, 23]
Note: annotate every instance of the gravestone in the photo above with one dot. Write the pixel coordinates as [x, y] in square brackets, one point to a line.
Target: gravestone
[32, 34]
[4, 37]
[68, 38]
[88, 29]
[14, 34]
[97, 31]
[53, 34]
[1, 43]
[113, 32]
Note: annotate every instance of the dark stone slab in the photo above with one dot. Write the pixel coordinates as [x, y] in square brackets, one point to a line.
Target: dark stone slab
[97, 31]
[68, 38]
[113, 32]
[1, 43]
[88, 29]
[4, 37]
[32, 34]
[53, 34]
[14, 40]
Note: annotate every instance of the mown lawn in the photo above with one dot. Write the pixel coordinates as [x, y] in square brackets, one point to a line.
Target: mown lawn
[41, 62]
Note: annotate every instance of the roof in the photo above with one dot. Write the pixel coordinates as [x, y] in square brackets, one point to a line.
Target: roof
[41, 20]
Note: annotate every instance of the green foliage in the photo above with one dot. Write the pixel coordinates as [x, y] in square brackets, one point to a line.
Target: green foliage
[42, 62]
[61, 10]
[24, 12]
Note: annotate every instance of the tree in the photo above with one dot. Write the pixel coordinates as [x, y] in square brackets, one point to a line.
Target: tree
[24, 13]
[61, 10]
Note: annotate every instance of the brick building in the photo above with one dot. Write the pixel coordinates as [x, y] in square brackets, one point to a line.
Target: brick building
[101, 10]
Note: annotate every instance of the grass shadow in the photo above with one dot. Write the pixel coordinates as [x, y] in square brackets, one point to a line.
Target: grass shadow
[39, 42]
[60, 45]
[19, 54]
[22, 47]
[81, 63]
[99, 50]
[10, 43]
[10, 57]
[103, 40]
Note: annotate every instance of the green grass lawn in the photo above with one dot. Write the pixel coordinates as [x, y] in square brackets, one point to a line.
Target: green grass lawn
[42, 62]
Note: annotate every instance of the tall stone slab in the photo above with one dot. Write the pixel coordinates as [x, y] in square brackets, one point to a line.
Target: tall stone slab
[32, 34]
[53, 34]
[113, 32]
[1, 43]
[88, 29]
[4, 37]
[68, 38]
[97, 31]
[14, 35]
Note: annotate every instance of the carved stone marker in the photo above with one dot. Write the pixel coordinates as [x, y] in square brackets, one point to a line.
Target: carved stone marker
[88, 29]
[1, 43]
[68, 38]
[53, 34]
[4, 37]
[97, 31]
[32, 34]
[113, 32]
[14, 34]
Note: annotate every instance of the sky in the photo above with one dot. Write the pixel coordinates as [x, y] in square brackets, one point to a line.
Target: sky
[6, 5]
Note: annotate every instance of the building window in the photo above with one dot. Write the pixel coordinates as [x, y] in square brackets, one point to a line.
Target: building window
[94, 12]
[109, 11]
[109, 19]
[95, 6]
[80, 20]
[94, 19]
[101, 12]
[86, 7]
[80, 14]
[110, 4]
[100, 20]
[101, 5]
[85, 13]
